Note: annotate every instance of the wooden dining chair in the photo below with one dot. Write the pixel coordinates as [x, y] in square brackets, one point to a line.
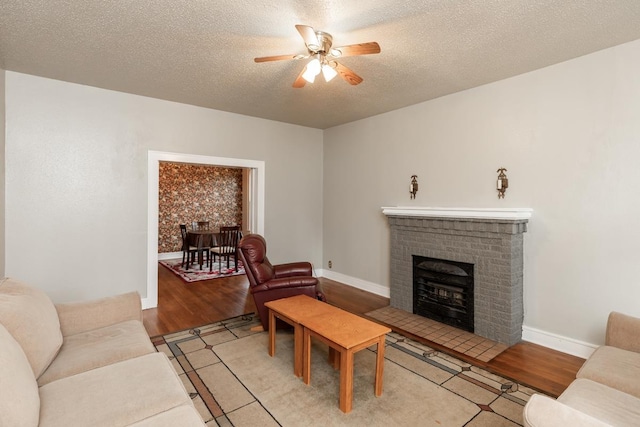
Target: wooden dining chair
[226, 247]
[188, 251]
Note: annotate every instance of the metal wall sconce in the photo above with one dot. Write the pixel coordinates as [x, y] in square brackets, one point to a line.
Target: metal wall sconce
[503, 183]
[413, 188]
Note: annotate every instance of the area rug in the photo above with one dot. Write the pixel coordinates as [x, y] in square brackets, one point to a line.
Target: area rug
[233, 381]
[194, 274]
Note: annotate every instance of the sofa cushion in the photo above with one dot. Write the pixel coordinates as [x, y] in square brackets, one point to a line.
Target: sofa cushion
[612, 366]
[115, 395]
[543, 411]
[604, 403]
[99, 347]
[82, 316]
[622, 332]
[32, 319]
[19, 400]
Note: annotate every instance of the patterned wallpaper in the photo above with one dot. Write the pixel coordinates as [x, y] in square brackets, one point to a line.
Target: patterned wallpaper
[194, 193]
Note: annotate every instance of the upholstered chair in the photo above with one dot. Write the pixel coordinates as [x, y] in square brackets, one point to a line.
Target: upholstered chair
[270, 282]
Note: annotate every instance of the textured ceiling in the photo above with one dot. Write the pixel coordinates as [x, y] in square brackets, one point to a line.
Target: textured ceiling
[201, 52]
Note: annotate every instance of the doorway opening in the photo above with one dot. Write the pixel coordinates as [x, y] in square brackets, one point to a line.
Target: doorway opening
[219, 196]
[255, 209]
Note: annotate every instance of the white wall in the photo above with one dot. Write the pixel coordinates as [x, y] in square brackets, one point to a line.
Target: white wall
[2, 168]
[569, 136]
[76, 180]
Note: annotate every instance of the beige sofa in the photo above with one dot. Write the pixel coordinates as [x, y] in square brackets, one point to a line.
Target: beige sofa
[606, 391]
[83, 364]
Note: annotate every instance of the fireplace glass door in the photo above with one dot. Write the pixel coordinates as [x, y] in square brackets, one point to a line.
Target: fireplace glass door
[443, 291]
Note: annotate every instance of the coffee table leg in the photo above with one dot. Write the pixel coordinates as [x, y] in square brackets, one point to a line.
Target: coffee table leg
[298, 352]
[306, 364]
[272, 333]
[379, 366]
[346, 380]
[334, 358]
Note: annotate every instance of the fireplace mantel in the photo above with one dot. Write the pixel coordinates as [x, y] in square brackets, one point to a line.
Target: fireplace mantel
[506, 214]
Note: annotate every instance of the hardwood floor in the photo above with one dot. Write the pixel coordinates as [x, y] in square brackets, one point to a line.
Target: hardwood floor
[184, 305]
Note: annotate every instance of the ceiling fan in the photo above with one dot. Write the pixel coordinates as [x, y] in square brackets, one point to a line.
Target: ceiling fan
[319, 47]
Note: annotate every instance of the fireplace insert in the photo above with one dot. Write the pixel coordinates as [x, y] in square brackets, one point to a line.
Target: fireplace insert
[443, 291]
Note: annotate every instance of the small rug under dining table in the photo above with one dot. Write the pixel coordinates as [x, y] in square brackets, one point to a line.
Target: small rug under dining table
[195, 274]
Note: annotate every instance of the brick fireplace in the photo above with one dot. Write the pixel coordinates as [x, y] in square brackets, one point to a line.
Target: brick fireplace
[489, 239]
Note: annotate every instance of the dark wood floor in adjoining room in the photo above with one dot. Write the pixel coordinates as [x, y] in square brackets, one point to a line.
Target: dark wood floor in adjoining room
[184, 305]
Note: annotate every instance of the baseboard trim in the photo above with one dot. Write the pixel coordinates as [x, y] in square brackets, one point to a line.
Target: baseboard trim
[374, 288]
[169, 255]
[558, 342]
[536, 336]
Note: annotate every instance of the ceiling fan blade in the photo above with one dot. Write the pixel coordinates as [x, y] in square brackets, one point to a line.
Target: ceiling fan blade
[309, 36]
[300, 81]
[357, 49]
[278, 58]
[348, 75]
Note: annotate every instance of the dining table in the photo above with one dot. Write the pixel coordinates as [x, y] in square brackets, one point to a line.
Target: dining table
[203, 240]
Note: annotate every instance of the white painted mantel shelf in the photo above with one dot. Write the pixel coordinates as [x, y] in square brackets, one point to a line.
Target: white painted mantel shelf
[507, 214]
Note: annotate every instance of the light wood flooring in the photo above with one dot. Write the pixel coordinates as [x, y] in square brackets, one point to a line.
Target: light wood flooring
[184, 305]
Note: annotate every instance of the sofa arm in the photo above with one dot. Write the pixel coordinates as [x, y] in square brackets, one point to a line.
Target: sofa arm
[623, 331]
[543, 411]
[79, 317]
[292, 269]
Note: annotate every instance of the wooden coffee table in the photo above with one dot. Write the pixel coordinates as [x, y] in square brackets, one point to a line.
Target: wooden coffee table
[346, 333]
[293, 310]
[343, 332]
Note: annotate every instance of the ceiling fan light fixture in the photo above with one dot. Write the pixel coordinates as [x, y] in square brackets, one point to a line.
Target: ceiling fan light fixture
[322, 54]
[313, 69]
[309, 76]
[328, 72]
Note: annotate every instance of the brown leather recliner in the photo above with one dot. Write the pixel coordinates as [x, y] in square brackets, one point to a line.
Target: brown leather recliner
[270, 282]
